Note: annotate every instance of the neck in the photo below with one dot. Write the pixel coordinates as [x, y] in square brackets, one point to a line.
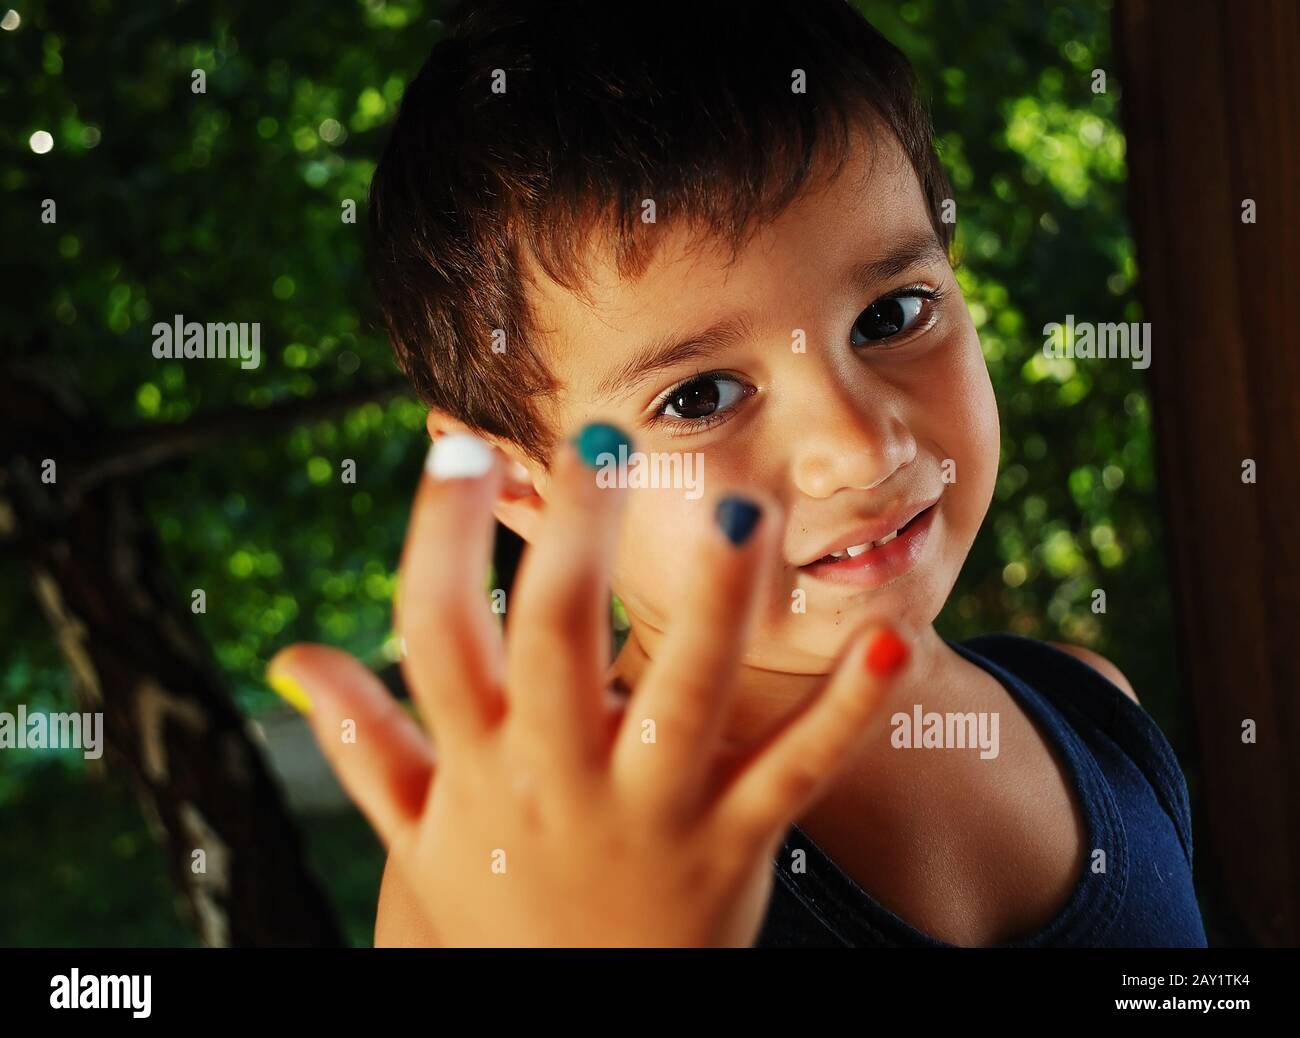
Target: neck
[763, 696]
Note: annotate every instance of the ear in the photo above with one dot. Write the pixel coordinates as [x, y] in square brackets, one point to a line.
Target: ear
[520, 503]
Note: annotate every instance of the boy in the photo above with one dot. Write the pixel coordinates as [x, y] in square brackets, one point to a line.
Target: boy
[719, 253]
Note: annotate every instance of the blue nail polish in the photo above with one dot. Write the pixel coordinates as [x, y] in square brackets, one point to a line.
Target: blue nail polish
[737, 516]
[598, 439]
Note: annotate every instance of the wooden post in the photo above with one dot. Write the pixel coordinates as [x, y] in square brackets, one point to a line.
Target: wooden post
[1211, 105]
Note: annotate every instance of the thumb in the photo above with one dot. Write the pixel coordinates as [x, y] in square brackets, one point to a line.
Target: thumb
[380, 755]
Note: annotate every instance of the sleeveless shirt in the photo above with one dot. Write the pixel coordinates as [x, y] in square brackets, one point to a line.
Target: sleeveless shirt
[1134, 800]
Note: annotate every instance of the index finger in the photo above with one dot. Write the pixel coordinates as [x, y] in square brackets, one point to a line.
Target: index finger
[452, 643]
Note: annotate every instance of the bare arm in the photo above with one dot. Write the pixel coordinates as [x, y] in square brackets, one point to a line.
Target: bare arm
[1101, 665]
[399, 922]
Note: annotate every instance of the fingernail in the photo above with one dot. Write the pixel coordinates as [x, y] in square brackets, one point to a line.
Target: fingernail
[458, 456]
[886, 653]
[597, 440]
[737, 516]
[290, 691]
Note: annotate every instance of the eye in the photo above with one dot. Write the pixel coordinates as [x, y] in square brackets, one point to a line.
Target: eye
[701, 399]
[890, 316]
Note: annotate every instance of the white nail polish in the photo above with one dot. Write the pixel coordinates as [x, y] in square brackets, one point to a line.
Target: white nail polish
[458, 456]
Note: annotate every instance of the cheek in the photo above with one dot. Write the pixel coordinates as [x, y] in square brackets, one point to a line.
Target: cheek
[656, 551]
[969, 432]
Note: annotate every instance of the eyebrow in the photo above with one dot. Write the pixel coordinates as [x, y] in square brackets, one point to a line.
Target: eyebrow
[671, 351]
[910, 251]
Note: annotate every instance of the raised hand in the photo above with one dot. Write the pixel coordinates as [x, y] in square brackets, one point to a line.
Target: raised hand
[550, 814]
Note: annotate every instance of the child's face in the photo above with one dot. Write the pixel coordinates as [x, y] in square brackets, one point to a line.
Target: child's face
[847, 425]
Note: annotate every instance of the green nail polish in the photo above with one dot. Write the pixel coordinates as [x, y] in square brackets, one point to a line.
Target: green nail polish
[599, 439]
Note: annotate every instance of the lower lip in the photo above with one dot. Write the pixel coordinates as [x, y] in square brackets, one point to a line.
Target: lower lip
[879, 566]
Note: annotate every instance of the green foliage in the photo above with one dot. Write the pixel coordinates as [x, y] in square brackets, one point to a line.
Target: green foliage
[226, 206]
[80, 861]
[220, 206]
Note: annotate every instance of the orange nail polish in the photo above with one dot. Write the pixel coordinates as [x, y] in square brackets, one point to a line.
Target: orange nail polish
[886, 654]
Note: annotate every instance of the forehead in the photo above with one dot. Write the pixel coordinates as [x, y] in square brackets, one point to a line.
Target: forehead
[692, 280]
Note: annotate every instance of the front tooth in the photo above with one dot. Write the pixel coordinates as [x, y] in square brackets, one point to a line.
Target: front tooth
[857, 549]
[886, 540]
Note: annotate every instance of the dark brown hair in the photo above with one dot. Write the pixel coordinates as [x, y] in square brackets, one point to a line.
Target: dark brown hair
[690, 102]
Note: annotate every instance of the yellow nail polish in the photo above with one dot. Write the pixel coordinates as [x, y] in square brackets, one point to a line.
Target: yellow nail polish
[290, 691]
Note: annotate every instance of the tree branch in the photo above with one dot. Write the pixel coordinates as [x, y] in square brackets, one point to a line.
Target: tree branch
[143, 447]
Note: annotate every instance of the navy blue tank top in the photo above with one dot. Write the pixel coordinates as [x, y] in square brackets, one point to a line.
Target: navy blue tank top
[1134, 799]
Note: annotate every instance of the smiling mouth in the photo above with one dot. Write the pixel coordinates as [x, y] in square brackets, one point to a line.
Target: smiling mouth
[853, 551]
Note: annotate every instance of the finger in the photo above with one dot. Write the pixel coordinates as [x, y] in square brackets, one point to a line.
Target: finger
[453, 653]
[791, 768]
[377, 751]
[559, 645]
[687, 691]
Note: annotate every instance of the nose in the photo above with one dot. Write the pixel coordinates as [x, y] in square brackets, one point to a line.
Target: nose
[851, 445]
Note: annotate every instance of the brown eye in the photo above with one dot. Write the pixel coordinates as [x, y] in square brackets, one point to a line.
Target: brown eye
[886, 318]
[702, 398]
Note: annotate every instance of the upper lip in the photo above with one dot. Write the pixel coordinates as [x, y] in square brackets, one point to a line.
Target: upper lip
[883, 526]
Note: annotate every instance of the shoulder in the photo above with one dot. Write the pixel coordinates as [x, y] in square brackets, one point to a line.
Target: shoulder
[1101, 665]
